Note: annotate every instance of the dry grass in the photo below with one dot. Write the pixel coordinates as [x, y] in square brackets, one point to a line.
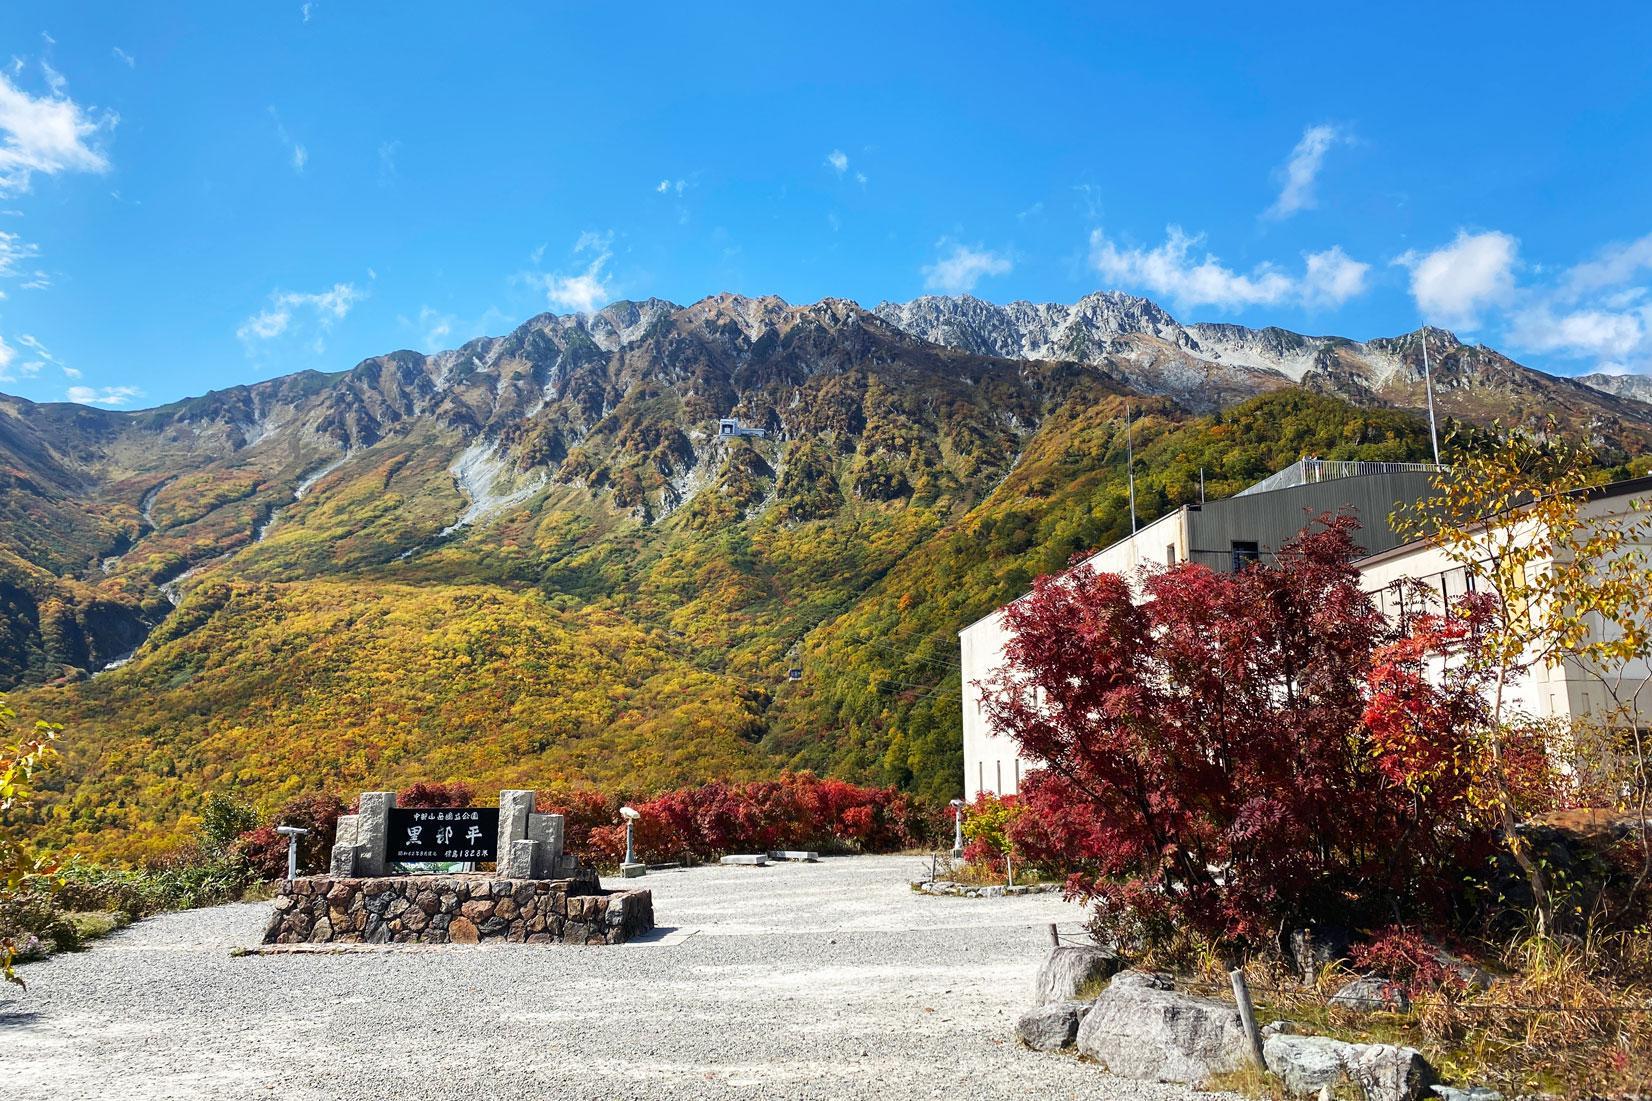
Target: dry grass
[1567, 1018]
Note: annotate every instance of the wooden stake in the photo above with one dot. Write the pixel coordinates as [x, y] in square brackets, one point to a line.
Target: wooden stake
[1247, 1015]
[1055, 936]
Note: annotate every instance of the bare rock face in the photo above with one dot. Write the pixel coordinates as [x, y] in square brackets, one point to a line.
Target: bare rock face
[1072, 967]
[1383, 1071]
[1051, 1027]
[1136, 1030]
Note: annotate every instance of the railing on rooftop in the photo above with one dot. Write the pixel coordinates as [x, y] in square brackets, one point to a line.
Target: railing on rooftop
[1308, 471]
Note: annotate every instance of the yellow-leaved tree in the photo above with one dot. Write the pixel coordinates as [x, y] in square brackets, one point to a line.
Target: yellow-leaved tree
[23, 752]
[1560, 565]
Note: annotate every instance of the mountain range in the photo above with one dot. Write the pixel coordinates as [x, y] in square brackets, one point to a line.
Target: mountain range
[534, 559]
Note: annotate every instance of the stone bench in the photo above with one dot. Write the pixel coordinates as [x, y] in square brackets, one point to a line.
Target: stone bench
[804, 855]
[750, 859]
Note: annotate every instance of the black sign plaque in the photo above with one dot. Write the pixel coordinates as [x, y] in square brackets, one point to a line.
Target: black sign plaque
[443, 833]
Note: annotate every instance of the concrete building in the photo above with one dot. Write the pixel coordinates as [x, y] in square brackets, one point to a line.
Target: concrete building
[1251, 526]
[1562, 691]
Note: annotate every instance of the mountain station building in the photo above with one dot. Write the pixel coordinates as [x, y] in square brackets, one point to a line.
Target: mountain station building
[1251, 526]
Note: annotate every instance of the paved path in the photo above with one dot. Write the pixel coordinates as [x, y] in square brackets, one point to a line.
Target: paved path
[829, 980]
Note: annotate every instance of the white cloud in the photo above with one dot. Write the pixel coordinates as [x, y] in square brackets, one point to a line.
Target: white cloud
[1174, 271]
[436, 327]
[1613, 266]
[7, 354]
[1332, 277]
[1302, 168]
[1454, 284]
[1169, 271]
[71, 372]
[14, 251]
[48, 135]
[54, 79]
[838, 161]
[960, 269]
[296, 153]
[113, 396]
[318, 311]
[306, 10]
[583, 291]
[388, 172]
[122, 55]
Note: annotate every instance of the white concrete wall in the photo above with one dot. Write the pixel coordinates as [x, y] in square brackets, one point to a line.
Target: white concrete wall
[992, 761]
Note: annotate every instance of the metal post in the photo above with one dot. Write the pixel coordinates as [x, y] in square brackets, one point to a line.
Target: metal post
[1247, 1014]
[293, 834]
[1130, 462]
[957, 828]
[1428, 382]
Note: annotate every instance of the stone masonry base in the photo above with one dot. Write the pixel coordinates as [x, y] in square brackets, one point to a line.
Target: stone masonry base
[456, 909]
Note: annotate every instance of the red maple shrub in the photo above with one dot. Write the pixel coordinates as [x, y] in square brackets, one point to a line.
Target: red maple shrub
[265, 851]
[1407, 961]
[797, 811]
[1207, 759]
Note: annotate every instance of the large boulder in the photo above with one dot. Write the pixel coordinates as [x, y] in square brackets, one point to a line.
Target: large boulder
[1383, 1071]
[1072, 968]
[1051, 1027]
[1138, 1030]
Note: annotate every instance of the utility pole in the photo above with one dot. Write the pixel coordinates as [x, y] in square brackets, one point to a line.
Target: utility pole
[1130, 462]
[1428, 381]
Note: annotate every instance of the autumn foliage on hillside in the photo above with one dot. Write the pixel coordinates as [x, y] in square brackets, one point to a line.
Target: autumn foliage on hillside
[1229, 754]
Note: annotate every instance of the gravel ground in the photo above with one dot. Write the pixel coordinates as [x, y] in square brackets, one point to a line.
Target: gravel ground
[827, 980]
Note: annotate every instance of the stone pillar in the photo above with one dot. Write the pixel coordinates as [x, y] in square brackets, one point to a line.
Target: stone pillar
[343, 862]
[518, 861]
[515, 808]
[373, 831]
[547, 829]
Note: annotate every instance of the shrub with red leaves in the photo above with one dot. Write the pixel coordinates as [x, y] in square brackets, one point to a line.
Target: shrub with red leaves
[1408, 961]
[1208, 760]
[265, 851]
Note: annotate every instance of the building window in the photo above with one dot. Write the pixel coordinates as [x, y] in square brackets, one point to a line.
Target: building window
[1170, 554]
[1245, 552]
[980, 777]
[1018, 776]
[1000, 765]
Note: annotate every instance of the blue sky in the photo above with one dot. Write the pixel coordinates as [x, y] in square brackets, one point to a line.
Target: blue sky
[200, 195]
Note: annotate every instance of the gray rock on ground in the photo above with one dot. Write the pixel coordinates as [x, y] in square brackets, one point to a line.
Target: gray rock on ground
[1371, 994]
[1070, 968]
[1385, 1072]
[1051, 1027]
[1466, 1093]
[1137, 1030]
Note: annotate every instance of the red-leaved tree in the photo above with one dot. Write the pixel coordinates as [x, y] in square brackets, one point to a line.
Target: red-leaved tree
[1206, 757]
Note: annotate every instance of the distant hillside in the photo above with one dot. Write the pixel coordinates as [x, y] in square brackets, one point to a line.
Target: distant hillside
[533, 560]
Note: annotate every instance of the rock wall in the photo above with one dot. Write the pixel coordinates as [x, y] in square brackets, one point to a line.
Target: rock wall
[456, 909]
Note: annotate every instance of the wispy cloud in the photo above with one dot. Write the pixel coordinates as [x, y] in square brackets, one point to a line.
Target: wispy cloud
[48, 135]
[315, 314]
[121, 55]
[667, 186]
[961, 267]
[1302, 169]
[838, 161]
[296, 153]
[306, 10]
[1172, 270]
[581, 291]
[15, 253]
[388, 172]
[112, 396]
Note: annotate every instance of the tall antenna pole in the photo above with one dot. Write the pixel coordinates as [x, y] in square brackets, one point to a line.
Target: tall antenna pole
[1428, 381]
[1130, 462]
[1201, 485]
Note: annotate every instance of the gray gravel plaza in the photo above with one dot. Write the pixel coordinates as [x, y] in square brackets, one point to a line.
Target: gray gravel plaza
[828, 980]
